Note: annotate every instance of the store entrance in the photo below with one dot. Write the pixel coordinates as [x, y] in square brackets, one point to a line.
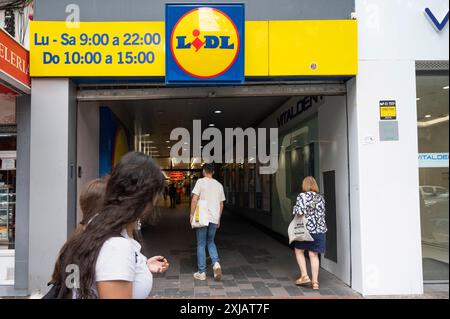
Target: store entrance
[311, 140]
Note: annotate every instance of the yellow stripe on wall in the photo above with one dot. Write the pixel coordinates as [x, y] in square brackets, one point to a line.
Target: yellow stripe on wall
[257, 48]
[308, 48]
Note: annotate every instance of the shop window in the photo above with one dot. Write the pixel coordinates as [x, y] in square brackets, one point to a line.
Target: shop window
[432, 122]
[8, 146]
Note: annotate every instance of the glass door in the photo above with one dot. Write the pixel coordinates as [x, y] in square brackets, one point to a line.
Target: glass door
[432, 123]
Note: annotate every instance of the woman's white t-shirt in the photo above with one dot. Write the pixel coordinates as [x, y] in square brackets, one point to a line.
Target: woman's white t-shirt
[120, 258]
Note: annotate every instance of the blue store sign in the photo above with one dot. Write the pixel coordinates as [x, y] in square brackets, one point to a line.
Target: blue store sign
[205, 43]
[439, 25]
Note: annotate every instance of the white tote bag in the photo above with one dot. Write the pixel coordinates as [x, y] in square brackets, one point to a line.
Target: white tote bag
[201, 215]
[297, 230]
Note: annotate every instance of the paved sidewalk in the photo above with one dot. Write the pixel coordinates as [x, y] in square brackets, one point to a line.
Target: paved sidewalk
[253, 263]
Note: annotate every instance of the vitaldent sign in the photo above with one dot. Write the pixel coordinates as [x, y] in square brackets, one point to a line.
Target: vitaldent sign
[433, 160]
[205, 43]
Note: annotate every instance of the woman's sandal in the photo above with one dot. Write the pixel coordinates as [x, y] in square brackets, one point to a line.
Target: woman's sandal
[303, 281]
[315, 285]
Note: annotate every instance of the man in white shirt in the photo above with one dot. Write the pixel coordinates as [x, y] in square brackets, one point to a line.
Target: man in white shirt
[210, 190]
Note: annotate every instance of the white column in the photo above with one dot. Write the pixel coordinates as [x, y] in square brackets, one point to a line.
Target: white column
[52, 175]
[384, 182]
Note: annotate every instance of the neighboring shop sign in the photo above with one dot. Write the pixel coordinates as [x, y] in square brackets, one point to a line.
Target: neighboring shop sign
[176, 176]
[205, 43]
[388, 110]
[13, 63]
[128, 49]
[433, 160]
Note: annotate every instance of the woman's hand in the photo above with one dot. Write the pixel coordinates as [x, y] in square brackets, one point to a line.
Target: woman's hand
[157, 264]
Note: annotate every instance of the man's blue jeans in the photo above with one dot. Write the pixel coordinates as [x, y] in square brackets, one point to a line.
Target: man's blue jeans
[205, 238]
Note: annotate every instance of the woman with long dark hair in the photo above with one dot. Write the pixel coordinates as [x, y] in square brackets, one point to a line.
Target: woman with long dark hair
[104, 261]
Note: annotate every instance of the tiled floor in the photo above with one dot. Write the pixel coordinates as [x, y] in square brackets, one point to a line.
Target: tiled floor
[253, 263]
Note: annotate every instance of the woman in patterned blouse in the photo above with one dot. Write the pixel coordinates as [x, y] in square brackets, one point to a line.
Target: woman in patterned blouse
[311, 204]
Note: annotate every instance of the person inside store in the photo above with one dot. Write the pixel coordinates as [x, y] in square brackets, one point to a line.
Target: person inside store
[166, 192]
[106, 256]
[311, 204]
[172, 195]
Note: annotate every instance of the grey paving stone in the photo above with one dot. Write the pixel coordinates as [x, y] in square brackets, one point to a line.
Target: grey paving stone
[234, 294]
[218, 293]
[283, 279]
[187, 293]
[249, 271]
[264, 292]
[279, 292]
[248, 292]
[294, 291]
[202, 294]
[171, 290]
[215, 286]
[265, 276]
[273, 285]
[229, 283]
[246, 286]
[259, 284]
[326, 292]
[239, 277]
[342, 291]
[200, 283]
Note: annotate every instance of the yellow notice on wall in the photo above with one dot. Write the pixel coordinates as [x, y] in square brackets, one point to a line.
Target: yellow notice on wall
[388, 110]
[97, 49]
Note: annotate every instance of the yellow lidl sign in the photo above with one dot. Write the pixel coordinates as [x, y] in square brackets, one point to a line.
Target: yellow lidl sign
[204, 43]
[128, 49]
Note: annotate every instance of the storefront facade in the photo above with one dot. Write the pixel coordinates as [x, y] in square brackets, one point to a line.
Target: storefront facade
[370, 116]
[14, 94]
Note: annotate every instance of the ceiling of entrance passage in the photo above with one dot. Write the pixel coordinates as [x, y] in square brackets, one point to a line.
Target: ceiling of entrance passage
[153, 120]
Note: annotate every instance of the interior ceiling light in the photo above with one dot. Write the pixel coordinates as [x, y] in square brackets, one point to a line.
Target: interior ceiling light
[217, 111]
[445, 87]
[433, 121]
[418, 99]
[428, 116]
[211, 125]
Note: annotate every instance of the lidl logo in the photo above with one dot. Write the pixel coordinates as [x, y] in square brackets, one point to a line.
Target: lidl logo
[205, 43]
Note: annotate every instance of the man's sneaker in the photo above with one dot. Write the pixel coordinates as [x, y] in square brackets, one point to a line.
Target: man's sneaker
[200, 275]
[217, 272]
